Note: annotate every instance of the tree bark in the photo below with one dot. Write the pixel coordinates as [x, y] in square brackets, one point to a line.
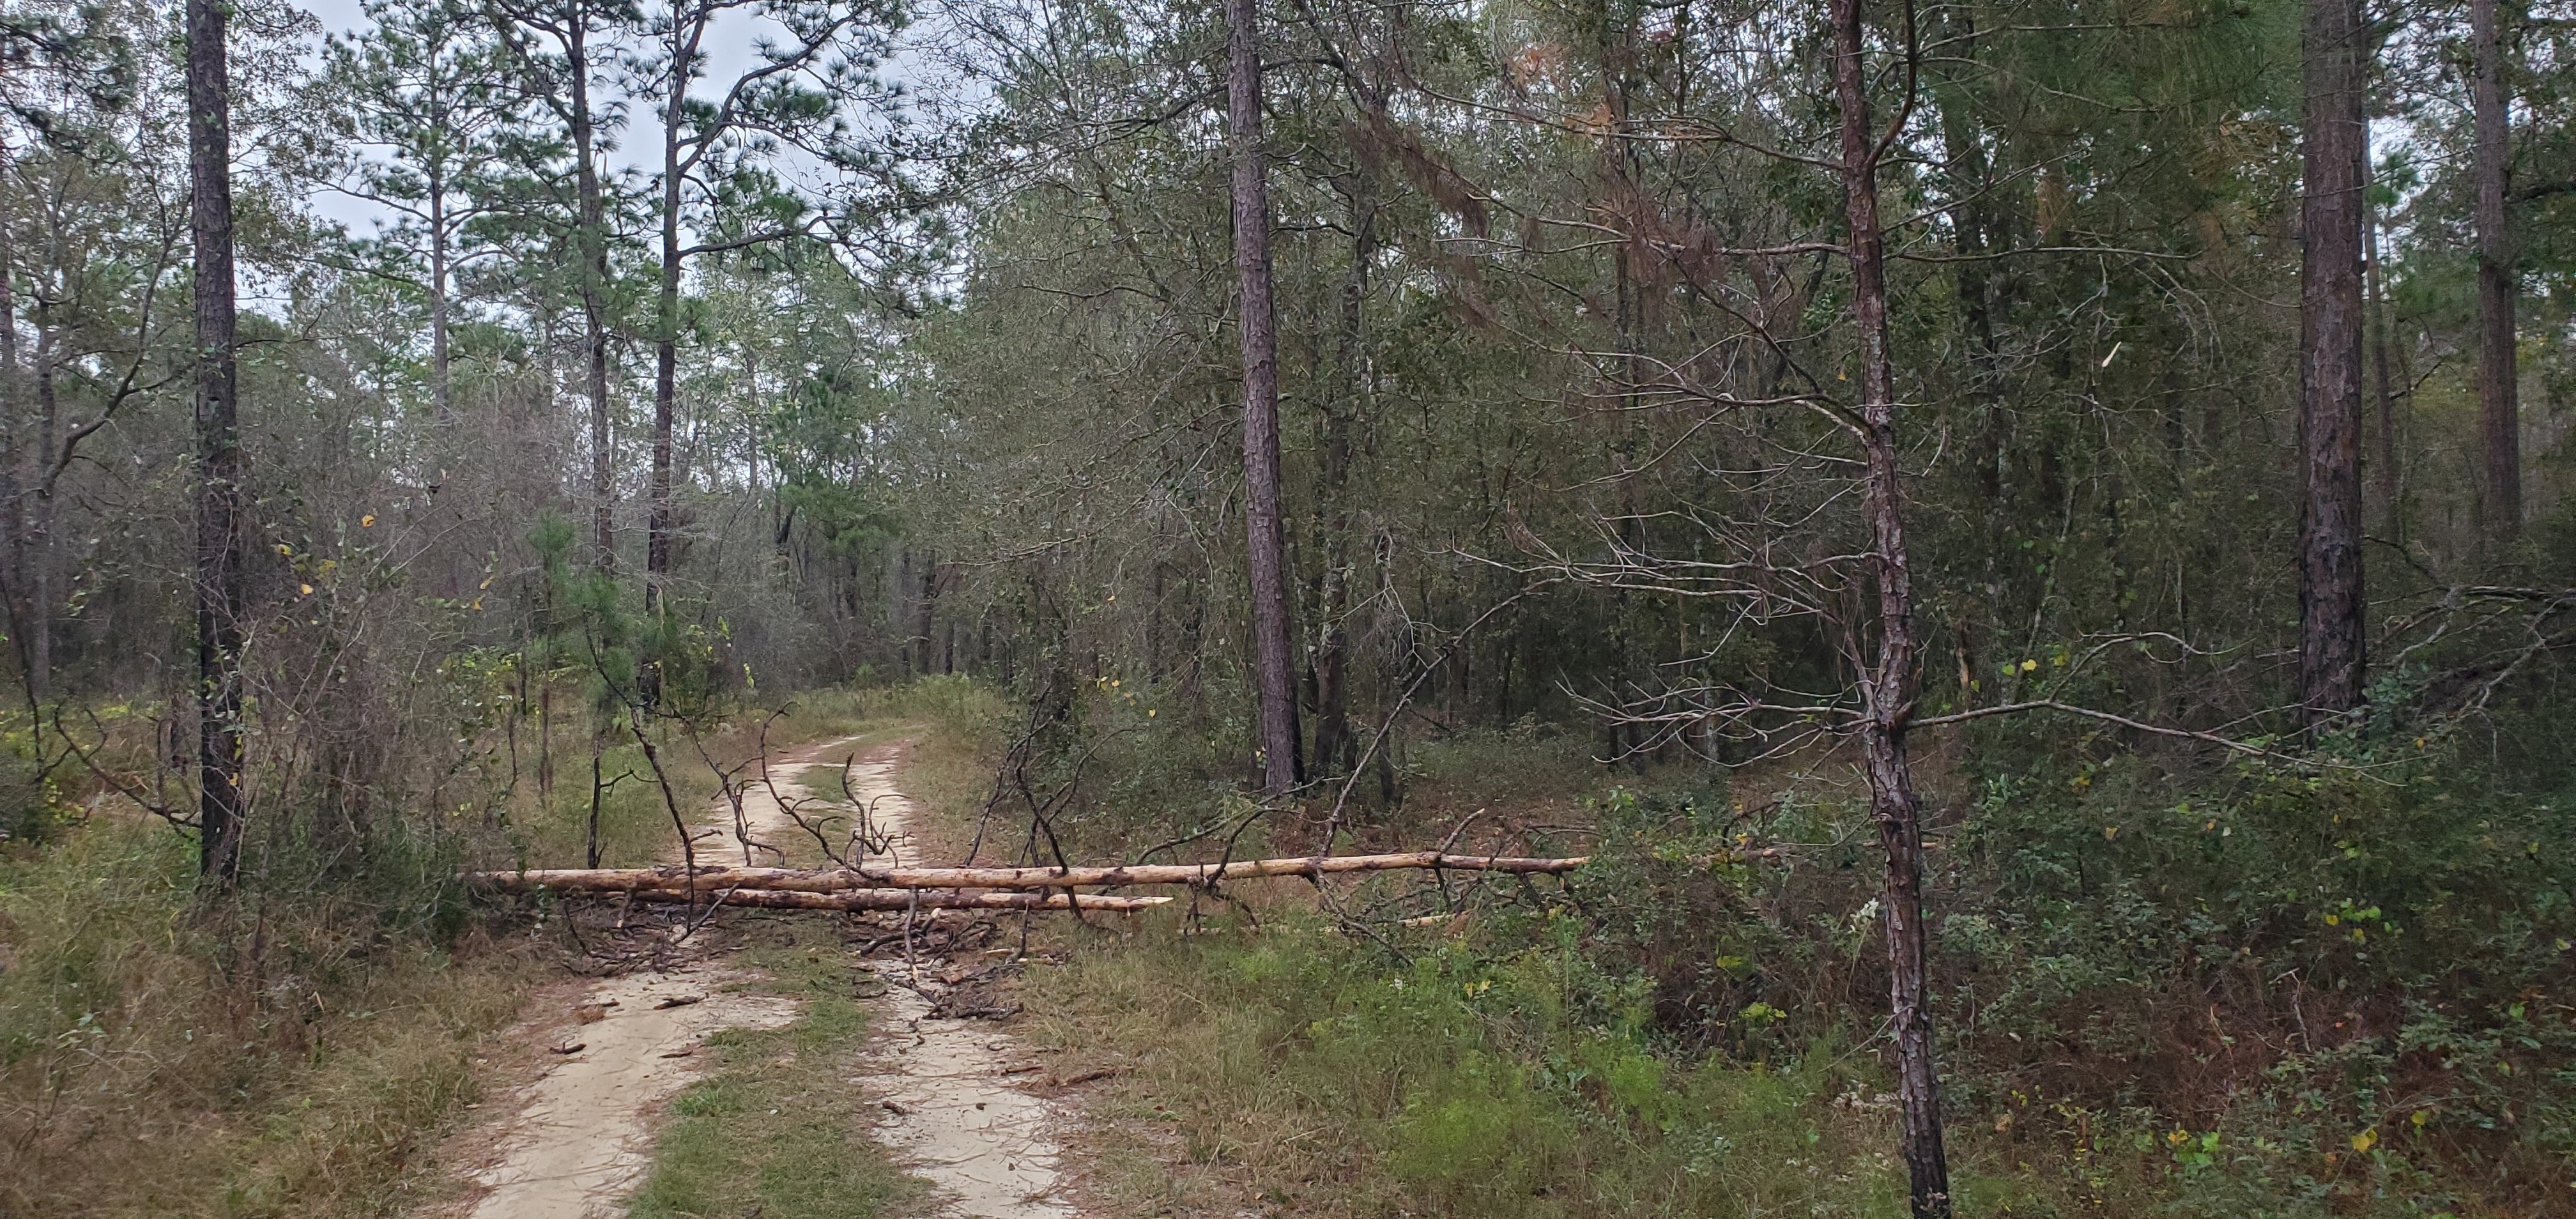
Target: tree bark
[1888, 670]
[218, 427]
[1274, 668]
[2331, 642]
[442, 409]
[2388, 472]
[830, 880]
[13, 451]
[1333, 593]
[926, 615]
[2499, 417]
[591, 240]
[666, 324]
[41, 510]
[902, 899]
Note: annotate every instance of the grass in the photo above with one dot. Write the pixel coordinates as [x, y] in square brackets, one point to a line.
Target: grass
[1291, 1072]
[159, 1057]
[777, 1130]
[302, 1048]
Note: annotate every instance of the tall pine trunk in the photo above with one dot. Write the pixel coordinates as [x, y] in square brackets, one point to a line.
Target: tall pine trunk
[1333, 511]
[2331, 643]
[1273, 667]
[17, 465]
[218, 424]
[42, 510]
[2499, 417]
[666, 329]
[1889, 661]
[442, 406]
[592, 240]
[2388, 473]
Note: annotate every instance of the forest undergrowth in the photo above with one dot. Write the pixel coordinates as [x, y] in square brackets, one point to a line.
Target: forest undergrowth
[298, 1049]
[2169, 986]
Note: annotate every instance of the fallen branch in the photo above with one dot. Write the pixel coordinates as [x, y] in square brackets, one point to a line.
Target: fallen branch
[835, 880]
[899, 899]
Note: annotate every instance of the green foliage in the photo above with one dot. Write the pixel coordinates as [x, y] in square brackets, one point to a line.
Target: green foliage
[30, 807]
[2296, 958]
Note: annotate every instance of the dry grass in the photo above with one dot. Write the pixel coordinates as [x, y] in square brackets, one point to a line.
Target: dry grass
[301, 1049]
[162, 1056]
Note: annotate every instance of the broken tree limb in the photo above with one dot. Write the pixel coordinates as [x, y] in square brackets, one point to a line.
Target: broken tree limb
[901, 899]
[833, 880]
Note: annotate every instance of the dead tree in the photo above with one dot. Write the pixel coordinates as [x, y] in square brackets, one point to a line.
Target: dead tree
[1886, 650]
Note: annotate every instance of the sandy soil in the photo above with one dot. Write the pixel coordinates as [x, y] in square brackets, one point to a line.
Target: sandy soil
[578, 1143]
[946, 1084]
[579, 1136]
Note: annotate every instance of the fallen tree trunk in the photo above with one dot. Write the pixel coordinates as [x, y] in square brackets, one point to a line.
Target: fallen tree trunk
[834, 880]
[899, 899]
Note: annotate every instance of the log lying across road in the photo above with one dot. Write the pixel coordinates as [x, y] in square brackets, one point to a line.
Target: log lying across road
[900, 899]
[678, 880]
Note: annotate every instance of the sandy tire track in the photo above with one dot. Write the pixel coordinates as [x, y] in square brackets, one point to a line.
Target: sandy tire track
[580, 1136]
[946, 1085]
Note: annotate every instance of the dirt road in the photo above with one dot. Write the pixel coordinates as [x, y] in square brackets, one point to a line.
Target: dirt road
[578, 1139]
[950, 1102]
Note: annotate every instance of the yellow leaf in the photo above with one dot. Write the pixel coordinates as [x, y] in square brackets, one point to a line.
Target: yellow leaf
[2110, 832]
[2029, 666]
[368, 521]
[2365, 1140]
[308, 589]
[478, 604]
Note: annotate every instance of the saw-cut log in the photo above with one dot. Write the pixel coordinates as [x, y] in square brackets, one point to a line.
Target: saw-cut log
[833, 880]
[900, 899]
